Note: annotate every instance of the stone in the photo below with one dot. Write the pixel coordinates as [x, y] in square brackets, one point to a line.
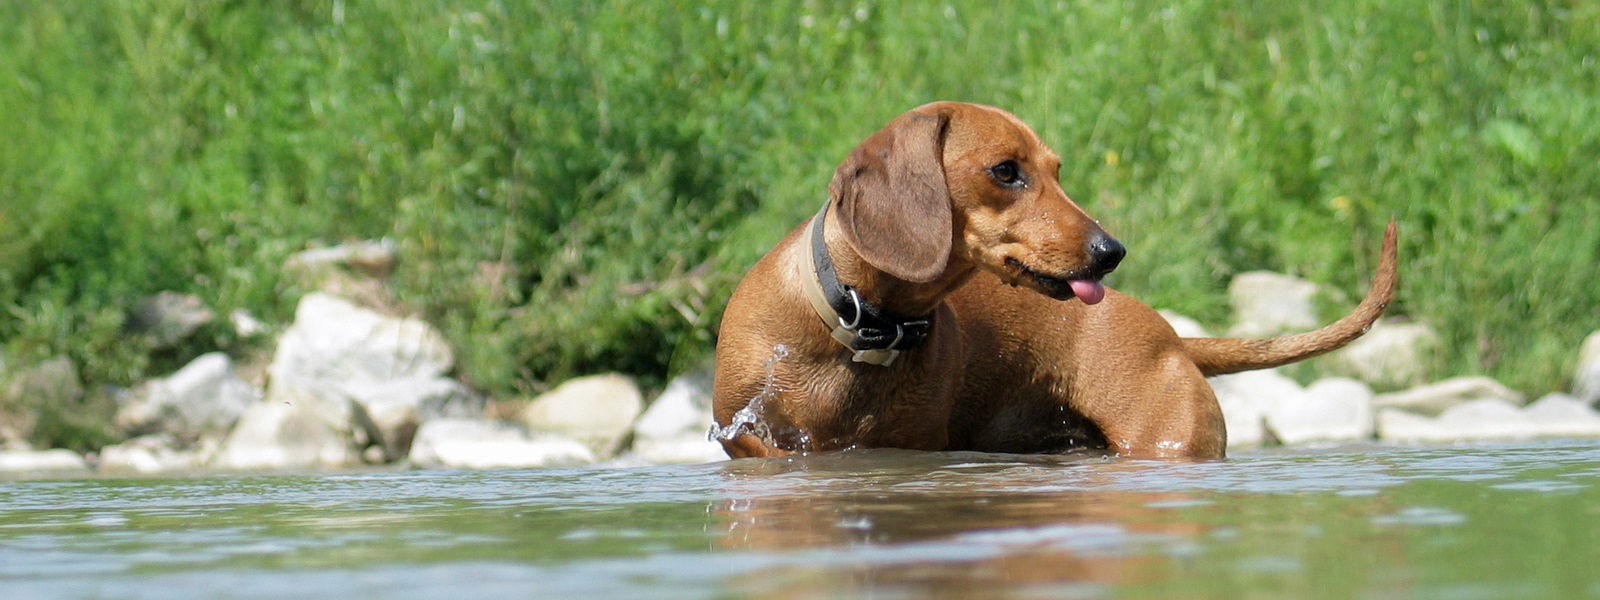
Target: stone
[357, 271]
[1392, 354]
[1246, 397]
[684, 448]
[487, 444]
[1267, 304]
[597, 410]
[246, 325]
[1184, 326]
[1555, 415]
[396, 408]
[204, 398]
[370, 258]
[1333, 409]
[673, 429]
[159, 453]
[339, 360]
[57, 461]
[277, 435]
[170, 317]
[1435, 398]
[1586, 378]
[1562, 415]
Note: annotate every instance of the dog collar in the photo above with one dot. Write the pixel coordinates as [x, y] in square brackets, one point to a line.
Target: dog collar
[875, 336]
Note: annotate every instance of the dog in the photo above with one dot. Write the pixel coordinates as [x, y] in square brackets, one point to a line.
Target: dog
[948, 296]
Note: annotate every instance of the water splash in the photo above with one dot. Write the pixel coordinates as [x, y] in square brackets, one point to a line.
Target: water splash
[748, 419]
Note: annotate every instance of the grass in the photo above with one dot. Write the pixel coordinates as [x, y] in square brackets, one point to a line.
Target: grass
[575, 186]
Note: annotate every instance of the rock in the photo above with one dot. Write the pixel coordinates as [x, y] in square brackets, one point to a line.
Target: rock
[1184, 326]
[169, 317]
[158, 453]
[1435, 398]
[1267, 304]
[1246, 397]
[597, 410]
[356, 271]
[1390, 355]
[344, 364]
[374, 259]
[204, 398]
[1555, 415]
[486, 444]
[1561, 415]
[246, 324]
[395, 409]
[14, 462]
[685, 406]
[673, 429]
[277, 435]
[1586, 379]
[1334, 409]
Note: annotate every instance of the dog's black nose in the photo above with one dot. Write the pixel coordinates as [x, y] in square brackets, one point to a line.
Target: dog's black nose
[1105, 253]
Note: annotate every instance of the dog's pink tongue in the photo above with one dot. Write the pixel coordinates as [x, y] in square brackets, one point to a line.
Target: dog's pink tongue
[1089, 292]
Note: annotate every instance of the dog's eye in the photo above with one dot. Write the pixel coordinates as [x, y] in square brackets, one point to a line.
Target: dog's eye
[1007, 173]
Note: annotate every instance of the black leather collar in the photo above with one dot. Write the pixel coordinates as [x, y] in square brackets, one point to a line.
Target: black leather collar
[871, 327]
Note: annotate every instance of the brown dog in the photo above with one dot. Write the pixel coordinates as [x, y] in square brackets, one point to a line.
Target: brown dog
[948, 297]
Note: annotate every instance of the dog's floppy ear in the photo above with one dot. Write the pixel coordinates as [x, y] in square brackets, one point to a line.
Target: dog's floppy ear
[892, 199]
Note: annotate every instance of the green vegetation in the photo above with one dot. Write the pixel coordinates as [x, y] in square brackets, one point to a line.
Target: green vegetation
[576, 186]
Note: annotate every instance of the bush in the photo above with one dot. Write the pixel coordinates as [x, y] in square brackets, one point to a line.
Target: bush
[575, 187]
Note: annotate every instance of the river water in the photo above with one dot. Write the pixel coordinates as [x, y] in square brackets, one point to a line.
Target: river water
[1494, 521]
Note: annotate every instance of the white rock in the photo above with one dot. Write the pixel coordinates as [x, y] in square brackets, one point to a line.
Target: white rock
[275, 435]
[1390, 355]
[150, 454]
[1586, 379]
[41, 461]
[170, 317]
[203, 398]
[673, 429]
[1245, 398]
[1438, 397]
[680, 449]
[1267, 304]
[1334, 409]
[339, 361]
[374, 259]
[1484, 418]
[1555, 415]
[1184, 326]
[1561, 415]
[684, 407]
[597, 410]
[395, 409]
[486, 444]
[246, 324]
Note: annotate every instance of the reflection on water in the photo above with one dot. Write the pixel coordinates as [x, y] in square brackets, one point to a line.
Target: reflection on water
[1475, 522]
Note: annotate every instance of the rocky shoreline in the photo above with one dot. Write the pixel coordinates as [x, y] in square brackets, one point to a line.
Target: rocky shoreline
[348, 386]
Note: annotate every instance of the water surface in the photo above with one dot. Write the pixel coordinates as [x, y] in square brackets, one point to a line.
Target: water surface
[1505, 521]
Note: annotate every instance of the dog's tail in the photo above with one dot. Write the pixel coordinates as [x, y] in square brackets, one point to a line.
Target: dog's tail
[1220, 356]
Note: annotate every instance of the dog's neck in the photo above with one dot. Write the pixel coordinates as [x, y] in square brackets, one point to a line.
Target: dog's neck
[873, 313]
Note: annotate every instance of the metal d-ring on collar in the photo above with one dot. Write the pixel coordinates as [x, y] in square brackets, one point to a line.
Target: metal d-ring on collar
[877, 337]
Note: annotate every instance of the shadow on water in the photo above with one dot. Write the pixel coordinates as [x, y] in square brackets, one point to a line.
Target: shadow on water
[1489, 521]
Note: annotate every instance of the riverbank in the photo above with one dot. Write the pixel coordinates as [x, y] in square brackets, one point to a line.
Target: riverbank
[350, 384]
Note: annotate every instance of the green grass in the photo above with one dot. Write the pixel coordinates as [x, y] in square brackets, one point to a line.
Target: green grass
[616, 165]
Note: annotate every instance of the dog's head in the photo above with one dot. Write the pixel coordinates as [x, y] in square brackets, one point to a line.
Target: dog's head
[950, 181]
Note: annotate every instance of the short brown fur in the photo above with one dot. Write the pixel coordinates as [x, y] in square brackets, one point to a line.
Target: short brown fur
[919, 224]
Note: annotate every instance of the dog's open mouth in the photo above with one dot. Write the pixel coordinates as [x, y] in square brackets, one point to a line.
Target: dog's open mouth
[1087, 289]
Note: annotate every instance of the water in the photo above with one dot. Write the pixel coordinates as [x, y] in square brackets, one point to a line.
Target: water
[1510, 521]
